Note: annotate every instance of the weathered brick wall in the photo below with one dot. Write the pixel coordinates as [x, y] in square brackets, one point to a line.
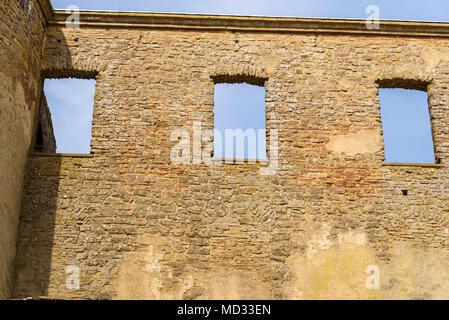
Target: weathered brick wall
[22, 31]
[138, 226]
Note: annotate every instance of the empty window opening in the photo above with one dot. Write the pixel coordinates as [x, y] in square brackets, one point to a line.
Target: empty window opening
[71, 103]
[404, 192]
[406, 125]
[239, 120]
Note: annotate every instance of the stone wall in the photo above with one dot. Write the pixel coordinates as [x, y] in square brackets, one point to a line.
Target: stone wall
[136, 225]
[22, 32]
[46, 143]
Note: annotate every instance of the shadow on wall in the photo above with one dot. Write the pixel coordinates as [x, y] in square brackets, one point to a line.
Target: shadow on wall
[44, 141]
[36, 228]
[41, 196]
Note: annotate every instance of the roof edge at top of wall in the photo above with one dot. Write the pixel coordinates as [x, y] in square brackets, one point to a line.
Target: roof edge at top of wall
[47, 9]
[138, 20]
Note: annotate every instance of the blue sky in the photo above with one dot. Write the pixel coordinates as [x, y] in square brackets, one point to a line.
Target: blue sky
[239, 106]
[76, 112]
[406, 125]
[431, 10]
[71, 106]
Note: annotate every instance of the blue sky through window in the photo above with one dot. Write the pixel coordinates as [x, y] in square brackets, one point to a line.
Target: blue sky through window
[71, 106]
[406, 126]
[239, 106]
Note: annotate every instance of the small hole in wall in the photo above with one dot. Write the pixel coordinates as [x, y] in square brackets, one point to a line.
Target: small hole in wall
[404, 192]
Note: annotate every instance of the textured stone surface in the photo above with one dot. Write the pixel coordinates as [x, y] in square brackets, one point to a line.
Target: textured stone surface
[22, 31]
[47, 136]
[138, 226]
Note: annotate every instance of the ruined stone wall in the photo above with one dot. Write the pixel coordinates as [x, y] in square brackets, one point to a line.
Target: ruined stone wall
[22, 32]
[47, 139]
[138, 226]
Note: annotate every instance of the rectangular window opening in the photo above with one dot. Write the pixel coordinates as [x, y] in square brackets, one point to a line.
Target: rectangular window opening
[65, 116]
[406, 122]
[239, 119]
